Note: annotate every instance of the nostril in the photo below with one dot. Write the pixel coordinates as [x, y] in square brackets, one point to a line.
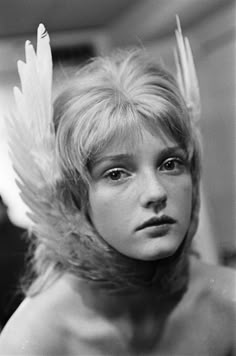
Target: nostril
[158, 204]
[158, 201]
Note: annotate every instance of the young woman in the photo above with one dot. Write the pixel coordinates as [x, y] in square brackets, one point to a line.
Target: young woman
[113, 190]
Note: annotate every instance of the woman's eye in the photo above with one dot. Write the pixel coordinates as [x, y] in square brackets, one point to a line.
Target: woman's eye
[172, 164]
[116, 174]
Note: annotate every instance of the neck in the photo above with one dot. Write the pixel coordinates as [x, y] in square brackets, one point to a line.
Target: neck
[169, 283]
[139, 316]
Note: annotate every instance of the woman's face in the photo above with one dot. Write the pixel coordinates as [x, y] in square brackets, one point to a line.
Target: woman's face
[140, 201]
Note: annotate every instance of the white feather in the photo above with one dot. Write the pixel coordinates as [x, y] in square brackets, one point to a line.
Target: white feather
[30, 135]
[186, 74]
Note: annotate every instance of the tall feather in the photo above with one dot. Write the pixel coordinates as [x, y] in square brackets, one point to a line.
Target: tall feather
[32, 149]
[30, 130]
[186, 74]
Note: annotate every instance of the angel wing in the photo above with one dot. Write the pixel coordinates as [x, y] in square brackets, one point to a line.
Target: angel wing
[31, 138]
[31, 134]
[186, 74]
[31, 128]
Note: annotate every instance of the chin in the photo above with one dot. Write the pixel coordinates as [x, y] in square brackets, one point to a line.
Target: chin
[159, 249]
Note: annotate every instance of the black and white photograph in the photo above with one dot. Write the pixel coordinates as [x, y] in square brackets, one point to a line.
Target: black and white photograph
[118, 178]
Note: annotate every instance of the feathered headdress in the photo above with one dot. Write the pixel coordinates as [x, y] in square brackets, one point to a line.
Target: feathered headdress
[32, 148]
[31, 132]
[186, 74]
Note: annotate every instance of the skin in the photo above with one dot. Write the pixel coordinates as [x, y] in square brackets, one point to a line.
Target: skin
[63, 321]
[130, 187]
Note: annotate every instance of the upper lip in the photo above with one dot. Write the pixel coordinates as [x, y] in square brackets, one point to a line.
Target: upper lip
[156, 221]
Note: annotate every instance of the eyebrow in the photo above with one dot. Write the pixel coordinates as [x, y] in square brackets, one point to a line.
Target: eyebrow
[127, 157]
[172, 150]
[124, 157]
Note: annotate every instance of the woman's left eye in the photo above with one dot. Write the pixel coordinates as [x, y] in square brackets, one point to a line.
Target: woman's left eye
[173, 164]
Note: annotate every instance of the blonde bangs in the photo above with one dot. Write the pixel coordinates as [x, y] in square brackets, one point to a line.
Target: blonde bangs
[114, 107]
[100, 125]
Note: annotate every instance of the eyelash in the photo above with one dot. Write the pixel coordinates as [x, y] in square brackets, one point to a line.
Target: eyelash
[108, 174]
[180, 164]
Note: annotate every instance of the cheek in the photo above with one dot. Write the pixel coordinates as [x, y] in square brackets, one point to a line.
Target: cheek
[107, 200]
[184, 197]
[104, 207]
[110, 212]
[98, 205]
[180, 196]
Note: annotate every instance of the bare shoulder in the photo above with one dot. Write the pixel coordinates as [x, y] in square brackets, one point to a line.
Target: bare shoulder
[214, 298]
[207, 312]
[31, 331]
[38, 327]
[220, 281]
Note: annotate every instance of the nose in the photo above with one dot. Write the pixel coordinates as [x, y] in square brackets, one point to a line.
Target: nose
[152, 192]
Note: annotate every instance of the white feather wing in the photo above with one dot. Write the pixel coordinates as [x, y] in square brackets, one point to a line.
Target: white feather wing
[30, 130]
[186, 74]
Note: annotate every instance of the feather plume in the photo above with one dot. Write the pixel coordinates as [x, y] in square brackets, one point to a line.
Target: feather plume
[186, 74]
[30, 131]
[31, 139]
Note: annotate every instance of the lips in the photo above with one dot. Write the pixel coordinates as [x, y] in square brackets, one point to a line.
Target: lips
[161, 221]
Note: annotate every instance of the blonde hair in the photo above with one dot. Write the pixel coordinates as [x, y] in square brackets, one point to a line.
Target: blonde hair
[115, 97]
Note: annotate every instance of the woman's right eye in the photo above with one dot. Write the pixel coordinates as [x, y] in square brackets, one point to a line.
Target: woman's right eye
[116, 174]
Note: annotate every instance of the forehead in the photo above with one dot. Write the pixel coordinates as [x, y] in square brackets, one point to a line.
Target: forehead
[123, 134]
[133, 141]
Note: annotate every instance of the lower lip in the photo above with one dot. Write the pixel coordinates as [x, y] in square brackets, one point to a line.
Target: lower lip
[157, 230]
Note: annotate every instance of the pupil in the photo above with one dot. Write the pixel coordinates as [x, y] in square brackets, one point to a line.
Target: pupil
[170, 165]
[115, 175]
